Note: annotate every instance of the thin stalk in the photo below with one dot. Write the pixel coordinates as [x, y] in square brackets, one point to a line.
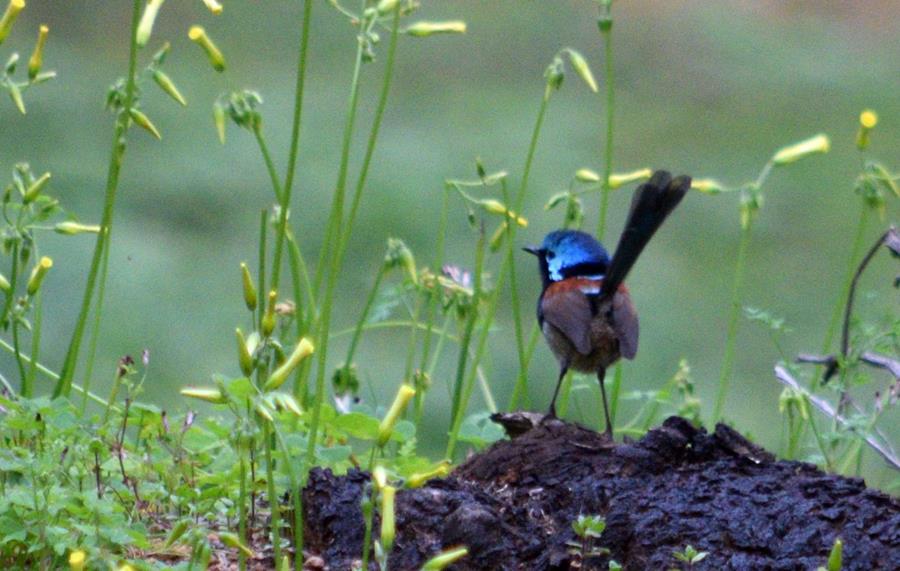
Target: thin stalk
[614, 391]
[285, 198]
[513, 283]
[36, 338]
[270, 165]
[734, 314]
[261, 271]
[334, 220]
[339, 235]
[855, 251]
[521, 387]
[521, 390]
[117, 155]
[370, 300]
[457, 409]
[605, 24]
[55, 377]
[274, 504]
[95, 330]
[242, 511]
[20, 361]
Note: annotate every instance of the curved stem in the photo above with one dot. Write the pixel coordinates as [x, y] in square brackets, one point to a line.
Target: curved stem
[117, 155]
[609, 74]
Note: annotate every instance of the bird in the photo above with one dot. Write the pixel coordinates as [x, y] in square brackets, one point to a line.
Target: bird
[584, 310]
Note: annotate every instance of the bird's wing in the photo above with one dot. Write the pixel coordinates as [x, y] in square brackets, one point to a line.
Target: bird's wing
[569, 310]
[625, 323]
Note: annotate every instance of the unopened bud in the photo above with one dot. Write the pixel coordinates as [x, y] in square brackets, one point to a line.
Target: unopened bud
[71, 228]
[198, 35]
[9, 17]
[386, 6]
[145, 27]
[419, 478]
[220, 119]
[793, 153]
[213, 6]
[707, 185]
[5, 286]
[386, 428]
[76, 560]
[587, 175]
[250, 297]
[35, 189]
[268, 320]
[231, 540]
[388, 524]
[582, 69]
[867, 121]
[445, 559]
[144, 122]
[36, 61]
[245, 359]
[166, 84]
[497, 238]
[303, 350]
[214, 396]
[16, 95]
[621, 179]
[425, 29]
[37, 275]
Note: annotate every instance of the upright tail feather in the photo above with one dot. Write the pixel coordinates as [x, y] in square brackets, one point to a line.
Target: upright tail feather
[653, 201]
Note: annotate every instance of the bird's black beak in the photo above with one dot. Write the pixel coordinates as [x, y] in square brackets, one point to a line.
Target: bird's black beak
[532, 250]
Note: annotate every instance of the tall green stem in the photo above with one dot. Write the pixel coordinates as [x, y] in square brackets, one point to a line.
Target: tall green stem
[734, 315]
[274, 502]
[521, 387]
[117, 155]
[95, 330]
[855, 251]
[285, 198]
[605, 24]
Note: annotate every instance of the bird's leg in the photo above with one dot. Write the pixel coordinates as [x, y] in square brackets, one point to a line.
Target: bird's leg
[564, 368]
[601, 375]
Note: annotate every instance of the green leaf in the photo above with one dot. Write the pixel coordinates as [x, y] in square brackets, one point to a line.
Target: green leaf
[357, 425]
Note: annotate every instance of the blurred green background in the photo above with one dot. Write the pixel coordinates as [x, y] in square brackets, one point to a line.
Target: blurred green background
[705, 88]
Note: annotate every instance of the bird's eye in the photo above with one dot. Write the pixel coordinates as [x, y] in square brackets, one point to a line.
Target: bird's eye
[550, 255]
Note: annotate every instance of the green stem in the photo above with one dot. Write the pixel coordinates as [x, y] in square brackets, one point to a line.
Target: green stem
[20, 362]
[270, 165]
[605, 24]
[263, 295]
[285, 195]
[117, 155]
[521, 390]
[855, 251]
[95, 330]
[733, 317]
[370, 300]
[521, 387]
[36, 338]
[614, 391]
[242, 509]
[334, 220]
[458, 408]
[274, 503]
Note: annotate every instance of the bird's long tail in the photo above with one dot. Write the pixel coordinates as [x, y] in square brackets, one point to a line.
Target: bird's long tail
[653, 201]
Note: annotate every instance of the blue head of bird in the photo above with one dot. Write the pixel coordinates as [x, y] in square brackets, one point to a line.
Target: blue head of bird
[570, 253]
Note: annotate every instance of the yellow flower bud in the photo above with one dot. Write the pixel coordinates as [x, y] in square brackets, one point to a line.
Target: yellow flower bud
[288, 402]
[494, 206]
[71, 228]
[303, 350]
[5, 286]
[77, 559]
[582, 69]
[36, 187]
[793, 153]
[587, 175]
[214, 396]
[707, 185]
[425, 29]
[445, 559]
[37, 275]
[379, 476]
[497, 238]
[621, 179]
[36, 61]
[250, 297]
[388, 527]
[419, 478]
[268, 320]
[867, 121]
[145, 27]
[144, 122]
[9, 17]
[198, 35]
[386, 428]
[386, 6]
[245, 359]
[16, 95]
[213, 6]
[166, 84]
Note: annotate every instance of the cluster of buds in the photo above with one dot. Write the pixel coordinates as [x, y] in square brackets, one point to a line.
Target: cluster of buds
[399, 255]
[556, 71]
[35, 62]
[241, 107]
